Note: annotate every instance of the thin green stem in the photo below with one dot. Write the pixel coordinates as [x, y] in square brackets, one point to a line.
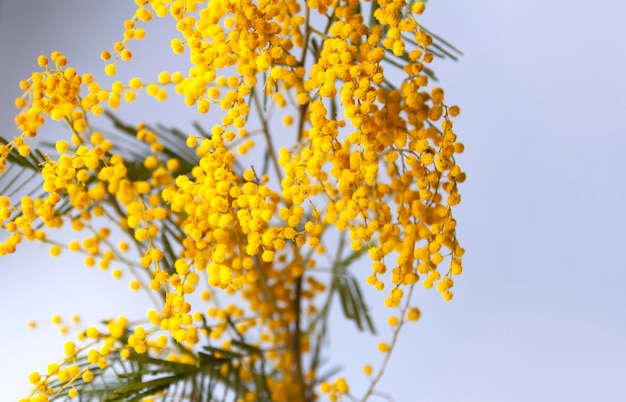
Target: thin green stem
[266, 133]
[394, 340]
[296, 341]
[307, 34]
[324, 313]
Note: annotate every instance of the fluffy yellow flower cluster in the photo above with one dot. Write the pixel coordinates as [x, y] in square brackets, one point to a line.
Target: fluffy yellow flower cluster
[372, 155]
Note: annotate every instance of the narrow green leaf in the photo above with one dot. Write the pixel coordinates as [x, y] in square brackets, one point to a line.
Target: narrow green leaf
[200, 129]
[118, 124]
[444, 51]
[372, 20]
[226, 355]
[165, 364]
[362, 307]
[350, 259]
[442, 40]
[344, 295]
[252, 350]
[135, 388]
[350, 295]
[430, 73]
[328, 374]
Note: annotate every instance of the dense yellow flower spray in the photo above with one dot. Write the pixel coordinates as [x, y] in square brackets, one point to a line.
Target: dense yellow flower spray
[234, 247]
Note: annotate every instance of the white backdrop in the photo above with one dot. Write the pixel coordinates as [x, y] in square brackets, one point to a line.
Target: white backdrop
[539, 313]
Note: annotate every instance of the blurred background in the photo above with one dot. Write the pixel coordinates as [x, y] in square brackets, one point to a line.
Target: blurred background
[539, 313]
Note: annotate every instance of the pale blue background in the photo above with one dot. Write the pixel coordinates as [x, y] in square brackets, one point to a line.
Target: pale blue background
[539, 314]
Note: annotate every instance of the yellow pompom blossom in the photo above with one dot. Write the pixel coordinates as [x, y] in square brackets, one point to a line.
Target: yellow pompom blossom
[232, 229]
[336, 390]
[383, 347]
